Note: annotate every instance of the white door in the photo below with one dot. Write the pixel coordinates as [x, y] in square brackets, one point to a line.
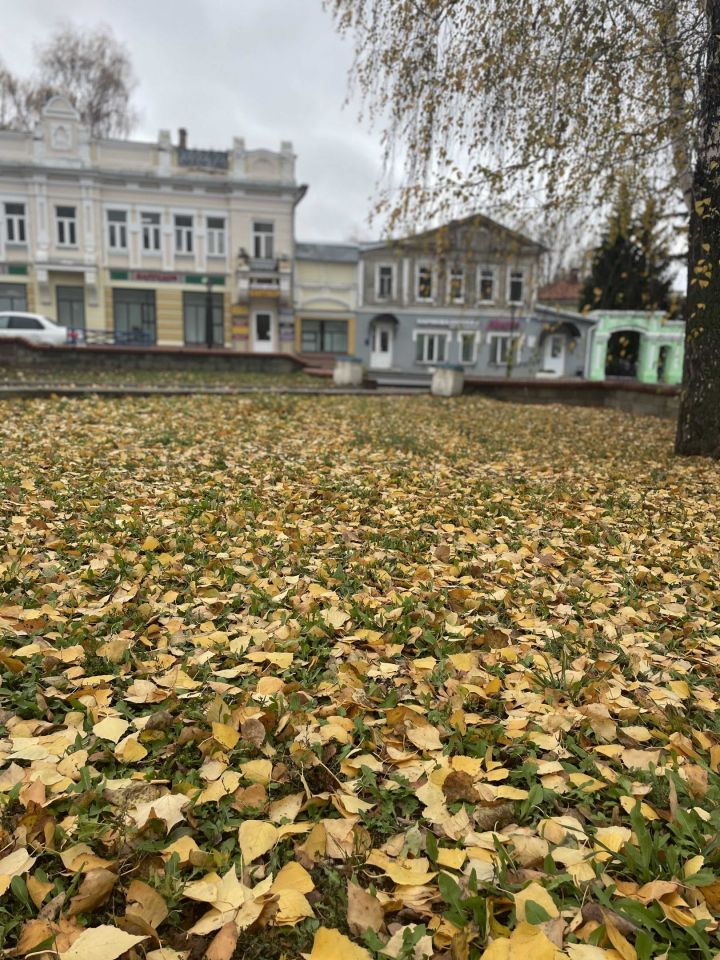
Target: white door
[381, 350]
[263, 340]
[554, 360]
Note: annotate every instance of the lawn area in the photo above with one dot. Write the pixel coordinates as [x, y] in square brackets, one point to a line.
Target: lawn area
[356, 678]
[158, 378]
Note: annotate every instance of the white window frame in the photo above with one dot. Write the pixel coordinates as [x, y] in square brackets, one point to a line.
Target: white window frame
[18, 222]
[185, 248]
[461, 297]
[496, 339]
[422, 265]
[426, 334]
[475, 340]
[216, 237]
[487, 268]
[66, 228]
[155, 230]
[516, 271]
[117, 226]
[263, 236]
[378, 294]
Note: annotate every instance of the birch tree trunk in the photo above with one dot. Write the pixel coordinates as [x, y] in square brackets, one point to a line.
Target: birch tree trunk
[698, 432]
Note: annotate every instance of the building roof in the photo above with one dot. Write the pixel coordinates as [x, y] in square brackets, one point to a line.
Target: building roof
[557, 313]
[567, 291]
[333, 252]
[473, 220]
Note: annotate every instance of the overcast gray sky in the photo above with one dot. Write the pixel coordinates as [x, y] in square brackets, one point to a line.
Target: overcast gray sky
[265, 70]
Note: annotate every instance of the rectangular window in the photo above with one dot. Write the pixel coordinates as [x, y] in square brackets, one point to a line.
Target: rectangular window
[15, 226]
[216, 236]
[424, 282]
[486, 293]
[324, 336]
[183, 233]
[456, 285]
[516, 286]
[195, 311]
[431, 347]
[499, 348]
[66, 226]
[150, 228]
[117, 229]
[384, 281]
[134, 316]
[468, 343]
[263, 240]
[13, 296]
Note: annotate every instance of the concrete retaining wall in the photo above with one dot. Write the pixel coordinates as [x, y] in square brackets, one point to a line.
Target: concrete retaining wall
[18, 353]
[627, 395]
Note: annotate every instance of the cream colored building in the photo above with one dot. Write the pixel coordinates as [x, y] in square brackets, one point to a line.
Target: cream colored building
[325, 297]
[129, 242]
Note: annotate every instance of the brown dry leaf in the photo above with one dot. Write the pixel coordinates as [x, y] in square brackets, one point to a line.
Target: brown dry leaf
[364, 911]
[94, 890]
[222, 945]
[146, 904]
[37, 931]
[458, 785]
[696, 778]
[253, 731]
[38, 889]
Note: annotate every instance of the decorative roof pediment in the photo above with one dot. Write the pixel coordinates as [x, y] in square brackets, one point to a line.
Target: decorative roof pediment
[60, 136]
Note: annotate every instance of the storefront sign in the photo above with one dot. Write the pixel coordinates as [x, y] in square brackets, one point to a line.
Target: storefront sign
[161, 276]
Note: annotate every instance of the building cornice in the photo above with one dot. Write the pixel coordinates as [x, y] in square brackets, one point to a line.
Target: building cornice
[95, 175]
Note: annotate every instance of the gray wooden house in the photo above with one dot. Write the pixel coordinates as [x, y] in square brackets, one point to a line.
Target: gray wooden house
[462, 293]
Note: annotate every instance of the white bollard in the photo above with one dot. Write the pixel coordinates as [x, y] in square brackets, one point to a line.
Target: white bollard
[448, 380]
[348, 372]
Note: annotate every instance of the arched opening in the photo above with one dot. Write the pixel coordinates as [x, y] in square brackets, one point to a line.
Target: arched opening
[623, 350]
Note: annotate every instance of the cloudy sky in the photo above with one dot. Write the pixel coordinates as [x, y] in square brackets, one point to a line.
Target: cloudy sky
[265, 70]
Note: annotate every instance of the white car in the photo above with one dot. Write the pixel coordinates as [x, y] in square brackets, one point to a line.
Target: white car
[31, 326]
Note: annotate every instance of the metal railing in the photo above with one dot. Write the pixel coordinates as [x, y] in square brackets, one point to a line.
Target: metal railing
[111, 338]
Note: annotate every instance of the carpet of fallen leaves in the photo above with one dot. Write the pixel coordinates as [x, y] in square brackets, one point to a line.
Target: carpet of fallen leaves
[356, 678]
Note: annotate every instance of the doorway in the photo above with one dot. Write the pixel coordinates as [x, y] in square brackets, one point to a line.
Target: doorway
[71, 309]
[262, 328]
[381, 349]
[554, 356]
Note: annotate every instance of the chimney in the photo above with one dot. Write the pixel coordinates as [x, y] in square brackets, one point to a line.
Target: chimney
[182, 138]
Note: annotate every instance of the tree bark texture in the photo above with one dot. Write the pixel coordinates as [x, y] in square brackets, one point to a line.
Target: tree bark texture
[698, 432]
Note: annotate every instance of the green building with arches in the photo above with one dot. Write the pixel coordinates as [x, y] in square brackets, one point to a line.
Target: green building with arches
[643, 345]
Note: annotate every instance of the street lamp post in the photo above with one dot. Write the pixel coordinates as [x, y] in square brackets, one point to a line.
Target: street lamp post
[511, 345]
[208, 314]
